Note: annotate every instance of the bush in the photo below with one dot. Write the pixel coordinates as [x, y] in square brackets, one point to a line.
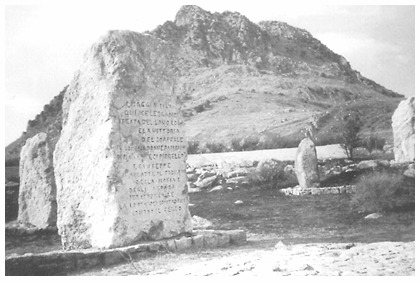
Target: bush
[373, 142]
[193, 147]
[375, 192]
[268, 177]
[236, 144]
[351, 133]
[215, 147]
[250, 143]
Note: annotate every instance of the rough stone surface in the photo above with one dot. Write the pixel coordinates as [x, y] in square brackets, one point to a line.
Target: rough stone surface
[201, 223]
[306, 164]
[403, 127]
[37, 191]
[120, 162]
[365, 164]
[411, 171]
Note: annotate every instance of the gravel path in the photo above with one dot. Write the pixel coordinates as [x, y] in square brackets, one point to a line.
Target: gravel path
[382, 258]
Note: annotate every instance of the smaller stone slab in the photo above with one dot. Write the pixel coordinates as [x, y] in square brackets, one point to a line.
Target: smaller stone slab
[37, 190]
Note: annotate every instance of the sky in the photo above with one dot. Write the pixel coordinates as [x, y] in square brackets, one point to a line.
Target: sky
[44, 45]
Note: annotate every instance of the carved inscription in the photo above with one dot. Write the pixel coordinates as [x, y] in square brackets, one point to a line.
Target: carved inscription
[154, 153]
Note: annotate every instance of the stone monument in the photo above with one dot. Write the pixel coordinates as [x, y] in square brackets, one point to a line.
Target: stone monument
[403, 128]
[306, 164]
[120, 163]
[37, 190]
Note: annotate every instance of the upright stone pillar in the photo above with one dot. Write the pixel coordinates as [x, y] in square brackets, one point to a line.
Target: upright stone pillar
[37, 190]
[403, 128]
[306, 164]
[120, 163]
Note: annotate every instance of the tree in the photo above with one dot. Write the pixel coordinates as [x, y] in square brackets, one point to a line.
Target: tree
[351, 133]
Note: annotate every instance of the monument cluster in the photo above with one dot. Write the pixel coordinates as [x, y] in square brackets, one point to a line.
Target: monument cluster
[118, 173]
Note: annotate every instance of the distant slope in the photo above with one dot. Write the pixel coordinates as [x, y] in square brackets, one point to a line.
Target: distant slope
[237, 79]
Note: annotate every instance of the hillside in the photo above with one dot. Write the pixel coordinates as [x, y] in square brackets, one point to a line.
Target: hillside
[238, 79]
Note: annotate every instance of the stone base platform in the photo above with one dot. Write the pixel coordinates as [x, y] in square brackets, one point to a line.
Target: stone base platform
[298, 191]
[62, 262]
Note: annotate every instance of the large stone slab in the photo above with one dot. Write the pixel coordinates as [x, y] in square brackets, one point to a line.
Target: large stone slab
[403, 127]
[306, 164]
[120, 162]
[37, 189]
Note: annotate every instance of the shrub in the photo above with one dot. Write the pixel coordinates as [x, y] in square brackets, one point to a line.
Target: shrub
[236, 144]
[375, 192]
[373, 142]
[215, 147]
[249, 143]
[351, 133]
[268, 177]
[193, 147]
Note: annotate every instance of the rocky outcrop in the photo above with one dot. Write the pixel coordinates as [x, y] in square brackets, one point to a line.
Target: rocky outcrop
[306, 164]
[37, 190]
[120, 161]
[403, 126]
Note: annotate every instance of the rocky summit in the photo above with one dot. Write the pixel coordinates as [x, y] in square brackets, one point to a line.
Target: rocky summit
[238, 79]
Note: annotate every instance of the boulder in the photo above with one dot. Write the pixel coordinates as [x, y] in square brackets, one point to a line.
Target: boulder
[410, 172]
[217, 188]
[366, 164]
[120, 163]
[306, 164]
[403, 127]
[37, 190]
[207, 182]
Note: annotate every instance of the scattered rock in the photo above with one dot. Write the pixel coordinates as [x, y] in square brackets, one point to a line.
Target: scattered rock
[375, 215]
[217, 188]
[239, 202]
[365, 164]
[237, 180]
[207, 182]
[410, 172]
[403, 127]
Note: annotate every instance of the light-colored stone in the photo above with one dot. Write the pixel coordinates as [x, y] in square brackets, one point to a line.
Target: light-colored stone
[207, 182]
[411, 171]
[289, 169]
[375, 215]
[366, 164]
[239, 202]
[306, 164]
[120, 162]
[210, 240]
[237, 173]
[403, 127]
[237, 180]
[201, 223]
[217, 188]
[37, 191]
[183, 243]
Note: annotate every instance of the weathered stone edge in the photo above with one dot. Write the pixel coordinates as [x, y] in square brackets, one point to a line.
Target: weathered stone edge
[61, 262]
[298, 191]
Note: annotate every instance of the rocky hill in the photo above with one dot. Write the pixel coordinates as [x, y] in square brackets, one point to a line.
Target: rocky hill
[240, 79]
